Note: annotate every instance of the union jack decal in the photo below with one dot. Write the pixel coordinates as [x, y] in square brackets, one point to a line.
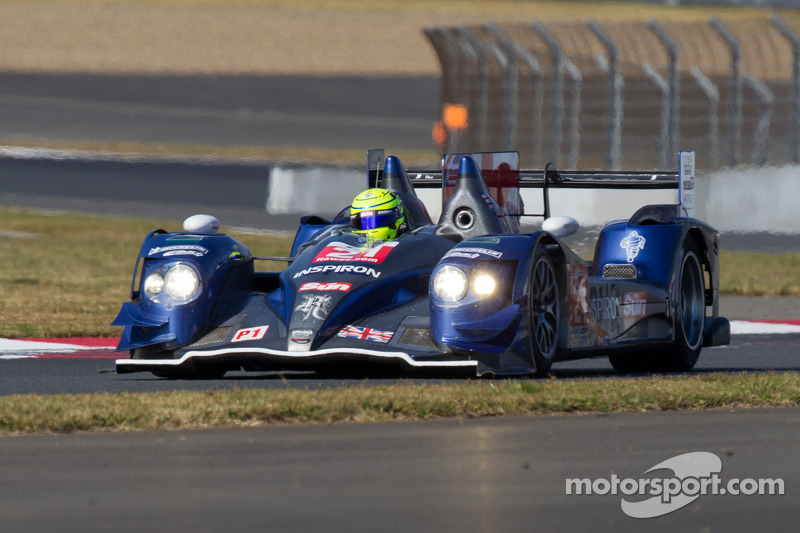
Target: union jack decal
[365, 334]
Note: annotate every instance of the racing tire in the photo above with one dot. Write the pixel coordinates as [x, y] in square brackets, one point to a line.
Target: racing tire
[688, 310]
[544, 305]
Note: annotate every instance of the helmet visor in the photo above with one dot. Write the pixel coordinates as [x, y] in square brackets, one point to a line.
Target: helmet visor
[372, 219]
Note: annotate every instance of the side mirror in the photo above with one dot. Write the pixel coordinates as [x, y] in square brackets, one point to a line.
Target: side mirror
[201, 224]
[561, 226]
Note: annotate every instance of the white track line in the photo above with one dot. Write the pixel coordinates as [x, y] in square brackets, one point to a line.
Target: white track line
[747, 327]
[16, 349]
[20, 349]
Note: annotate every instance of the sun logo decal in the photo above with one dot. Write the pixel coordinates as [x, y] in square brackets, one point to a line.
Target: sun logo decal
[632, 244]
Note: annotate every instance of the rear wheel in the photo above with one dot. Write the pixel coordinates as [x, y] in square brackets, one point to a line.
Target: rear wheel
[689, 312]
[543, 310]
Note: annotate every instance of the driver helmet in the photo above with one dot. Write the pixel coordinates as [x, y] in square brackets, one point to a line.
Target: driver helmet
[377, 214]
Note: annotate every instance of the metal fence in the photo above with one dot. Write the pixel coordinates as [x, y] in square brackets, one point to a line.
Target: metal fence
[623, 95]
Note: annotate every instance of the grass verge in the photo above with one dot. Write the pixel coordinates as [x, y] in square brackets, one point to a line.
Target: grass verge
[66, 275]
[762, 274]
[402, 401]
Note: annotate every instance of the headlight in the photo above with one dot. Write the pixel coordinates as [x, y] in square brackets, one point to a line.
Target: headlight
[450, 283]
[181, 283]
[178, 284]
[484, 285]
[154, 284]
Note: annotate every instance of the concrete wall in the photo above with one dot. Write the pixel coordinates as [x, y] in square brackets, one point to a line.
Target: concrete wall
[320, 191]
[752, 200]
[755, 200]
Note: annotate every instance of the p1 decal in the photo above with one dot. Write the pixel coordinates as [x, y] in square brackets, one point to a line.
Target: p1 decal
[634, 304]
[250, 334]
[344, 253]
[633, 244]
[321, 286]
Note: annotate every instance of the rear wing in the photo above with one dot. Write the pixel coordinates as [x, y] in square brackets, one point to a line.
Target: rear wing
[551, 178]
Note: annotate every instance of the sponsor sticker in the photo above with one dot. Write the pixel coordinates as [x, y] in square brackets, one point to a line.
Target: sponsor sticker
[472, 252]
[633, 244]
[578, 295]
[250, 334]
[315, 305]
[490, 203]
[686, 190]
[461, 254]
[339, 269]
[634, 304]
[179, 249]
[606, 308]
[365, 334]
[344, 253]
[322, 286]
[301, 336]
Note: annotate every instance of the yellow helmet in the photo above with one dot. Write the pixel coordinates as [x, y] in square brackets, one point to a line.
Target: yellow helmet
[377, 214]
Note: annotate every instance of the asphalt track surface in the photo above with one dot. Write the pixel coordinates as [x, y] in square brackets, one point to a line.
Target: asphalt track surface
[504, 475]
[234, 192]
[93, 371]
[337, 112]
[465, 475]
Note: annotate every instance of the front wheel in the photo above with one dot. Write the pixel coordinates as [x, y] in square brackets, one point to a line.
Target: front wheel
[543, 312]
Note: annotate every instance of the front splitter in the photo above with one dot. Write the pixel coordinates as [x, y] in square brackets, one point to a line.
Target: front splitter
[289, 360]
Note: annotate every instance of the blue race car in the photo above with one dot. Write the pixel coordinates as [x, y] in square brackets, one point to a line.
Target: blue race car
[466, 295]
